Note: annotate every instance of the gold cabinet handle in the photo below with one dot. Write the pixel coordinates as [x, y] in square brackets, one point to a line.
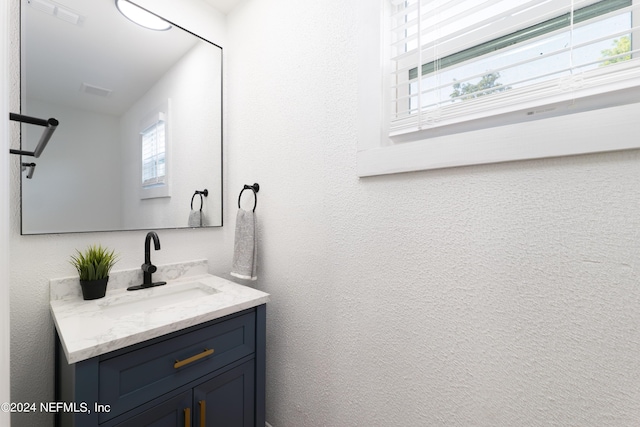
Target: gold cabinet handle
[187, 417]
[203, 410]
[181, 363]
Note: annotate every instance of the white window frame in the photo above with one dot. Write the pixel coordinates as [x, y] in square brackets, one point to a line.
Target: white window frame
[602, 130]
[152, 143]
[159, 189]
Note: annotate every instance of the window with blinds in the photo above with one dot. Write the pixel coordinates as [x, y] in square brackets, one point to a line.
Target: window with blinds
[153, 153]
[456, 62]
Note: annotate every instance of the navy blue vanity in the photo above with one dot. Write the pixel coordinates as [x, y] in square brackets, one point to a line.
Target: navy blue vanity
[212, 374]
[188, 353]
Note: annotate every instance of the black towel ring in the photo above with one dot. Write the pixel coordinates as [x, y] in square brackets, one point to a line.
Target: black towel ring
[255, 188]
[204, 193]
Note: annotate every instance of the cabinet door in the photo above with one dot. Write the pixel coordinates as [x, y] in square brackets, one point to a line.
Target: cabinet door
[227, 400]
[175, 412]
[132, 378]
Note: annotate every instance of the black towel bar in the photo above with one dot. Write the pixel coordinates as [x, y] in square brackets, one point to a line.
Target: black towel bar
[50, 125]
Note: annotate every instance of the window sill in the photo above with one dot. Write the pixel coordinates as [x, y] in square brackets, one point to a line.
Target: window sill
[609, 129]
[155, 191]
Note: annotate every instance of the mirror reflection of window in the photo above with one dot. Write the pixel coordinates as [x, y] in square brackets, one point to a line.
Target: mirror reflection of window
[153, 153]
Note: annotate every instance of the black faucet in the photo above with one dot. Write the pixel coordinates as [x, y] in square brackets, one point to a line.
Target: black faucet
[147, 268]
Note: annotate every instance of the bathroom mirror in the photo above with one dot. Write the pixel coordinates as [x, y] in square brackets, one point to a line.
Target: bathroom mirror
[140, 121]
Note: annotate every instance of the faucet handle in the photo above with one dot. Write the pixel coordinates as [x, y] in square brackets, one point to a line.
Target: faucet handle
[149, 268]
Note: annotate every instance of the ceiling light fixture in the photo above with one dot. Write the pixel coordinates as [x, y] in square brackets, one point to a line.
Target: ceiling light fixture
[141, 17]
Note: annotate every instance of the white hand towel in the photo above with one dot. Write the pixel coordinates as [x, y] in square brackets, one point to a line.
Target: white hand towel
[195, 218]
[245, 249]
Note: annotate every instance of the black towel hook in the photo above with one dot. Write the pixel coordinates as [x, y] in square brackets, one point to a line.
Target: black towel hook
[255, 188]
[204, 193]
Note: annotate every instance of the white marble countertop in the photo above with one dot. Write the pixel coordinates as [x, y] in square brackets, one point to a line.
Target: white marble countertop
[123, 318]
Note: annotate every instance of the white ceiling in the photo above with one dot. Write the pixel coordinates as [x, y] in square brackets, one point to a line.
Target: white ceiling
[224, 6]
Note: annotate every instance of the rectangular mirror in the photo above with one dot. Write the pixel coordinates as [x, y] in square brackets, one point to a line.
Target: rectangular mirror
[140, 121]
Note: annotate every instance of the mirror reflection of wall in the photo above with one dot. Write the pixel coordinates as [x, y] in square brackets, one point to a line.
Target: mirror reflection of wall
[109, 82]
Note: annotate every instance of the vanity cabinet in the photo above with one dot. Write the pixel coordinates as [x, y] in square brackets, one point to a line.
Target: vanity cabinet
[212, 374]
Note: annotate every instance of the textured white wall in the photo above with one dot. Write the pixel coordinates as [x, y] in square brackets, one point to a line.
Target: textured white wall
[498, 295]
[35, 259]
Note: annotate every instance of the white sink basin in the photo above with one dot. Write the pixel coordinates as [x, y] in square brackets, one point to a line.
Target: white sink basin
[153, 298]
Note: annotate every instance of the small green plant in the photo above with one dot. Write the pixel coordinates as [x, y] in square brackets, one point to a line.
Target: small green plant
[94, 263]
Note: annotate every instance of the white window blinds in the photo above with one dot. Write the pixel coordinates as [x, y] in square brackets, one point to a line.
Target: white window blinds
[153, 153]
[456, 61]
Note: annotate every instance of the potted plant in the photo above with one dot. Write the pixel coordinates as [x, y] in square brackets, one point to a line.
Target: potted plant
[94, 265]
